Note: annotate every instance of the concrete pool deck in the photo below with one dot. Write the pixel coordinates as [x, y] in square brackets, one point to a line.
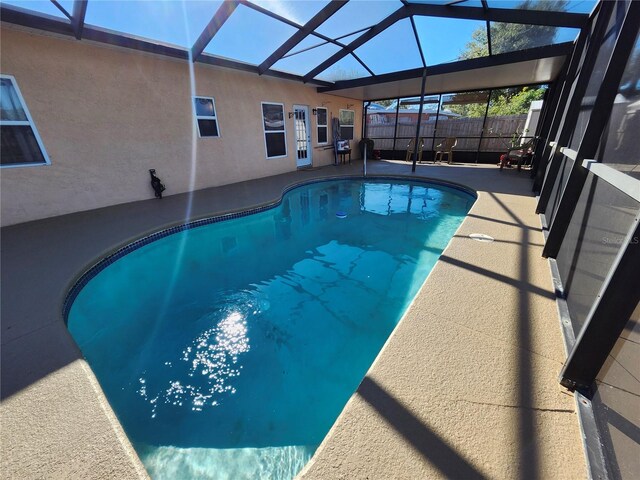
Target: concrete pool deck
[465, 387]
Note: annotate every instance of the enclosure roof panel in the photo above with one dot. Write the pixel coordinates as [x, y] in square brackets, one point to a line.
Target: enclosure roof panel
[315, 41]
[356, 15]
[400, 47]
[301, 62]
[249, 36]
[446, 40]
[346, 69]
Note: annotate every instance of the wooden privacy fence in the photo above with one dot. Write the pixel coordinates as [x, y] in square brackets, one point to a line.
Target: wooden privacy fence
[497, 134]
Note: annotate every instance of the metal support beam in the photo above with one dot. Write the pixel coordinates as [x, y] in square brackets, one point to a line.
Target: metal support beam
[379, 28]
[506, 15]
[484, 124]
[608, 317]
[222, 15]
[364, 118]
[61, 8]
[301, 34]
[77, 17]
[435, 130]
[416, 145]
[325, 40]
[395, 128]
[295, 25]
[566, 121]
[415, 33]
[275, 16]
[596, 125]
[364, 65]
[554, 108]
[550, 100]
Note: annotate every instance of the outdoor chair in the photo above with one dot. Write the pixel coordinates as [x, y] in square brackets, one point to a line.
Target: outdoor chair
[446, 148]
[411, 148]
[518, 153]
[343, 150]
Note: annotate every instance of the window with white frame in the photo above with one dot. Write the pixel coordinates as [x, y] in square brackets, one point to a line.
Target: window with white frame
[21, 144]
[205, 108]
[321, 123]
[347, 123]
[275, 137]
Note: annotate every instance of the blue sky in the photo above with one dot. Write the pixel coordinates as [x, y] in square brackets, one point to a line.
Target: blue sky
[251, 37]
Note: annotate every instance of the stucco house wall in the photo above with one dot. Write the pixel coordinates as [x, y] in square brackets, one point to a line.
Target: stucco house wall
[106, 115]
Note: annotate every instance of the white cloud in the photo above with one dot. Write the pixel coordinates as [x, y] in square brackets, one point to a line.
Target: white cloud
[280, 7]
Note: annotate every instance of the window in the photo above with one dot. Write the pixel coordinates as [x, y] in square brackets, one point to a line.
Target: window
[347, 121]
[321, 121]
[21, 145]
[275, 137]
[206, 117]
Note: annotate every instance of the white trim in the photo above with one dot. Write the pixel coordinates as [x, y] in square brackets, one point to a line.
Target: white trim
[31, 164]
[307, 132]
[265, 132]
[567, 152]
[353, 127]
[326, 125]
[29, 123]
[206, 117]
[620, 180]
[15, 122]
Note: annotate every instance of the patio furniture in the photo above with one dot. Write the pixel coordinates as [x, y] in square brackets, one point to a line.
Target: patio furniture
[342, 150]
[446, 148]
[519, 153]
[411, 148]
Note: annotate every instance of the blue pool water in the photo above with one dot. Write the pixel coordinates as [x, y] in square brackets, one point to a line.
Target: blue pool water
[228, 350]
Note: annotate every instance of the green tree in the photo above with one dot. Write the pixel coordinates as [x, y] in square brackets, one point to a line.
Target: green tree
[505, 102]
[385, 103]
[509, 37]
[477, 47]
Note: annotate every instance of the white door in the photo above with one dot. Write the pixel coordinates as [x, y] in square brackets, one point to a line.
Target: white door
[303, 135]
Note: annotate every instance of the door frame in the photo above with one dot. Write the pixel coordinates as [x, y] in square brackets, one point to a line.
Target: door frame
[309, 159]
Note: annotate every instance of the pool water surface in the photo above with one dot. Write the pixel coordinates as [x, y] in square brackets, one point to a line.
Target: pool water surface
[229, 350]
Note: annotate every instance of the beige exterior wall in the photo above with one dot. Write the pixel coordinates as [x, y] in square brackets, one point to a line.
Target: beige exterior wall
[107, 115]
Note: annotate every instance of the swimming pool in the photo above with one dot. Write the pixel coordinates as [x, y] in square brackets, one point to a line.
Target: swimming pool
[228, 350]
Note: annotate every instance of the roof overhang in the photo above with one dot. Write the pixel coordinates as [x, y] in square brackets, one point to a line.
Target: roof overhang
[526, 67]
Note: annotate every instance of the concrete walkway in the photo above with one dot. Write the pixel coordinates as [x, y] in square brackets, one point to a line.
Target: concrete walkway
[464, 388]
